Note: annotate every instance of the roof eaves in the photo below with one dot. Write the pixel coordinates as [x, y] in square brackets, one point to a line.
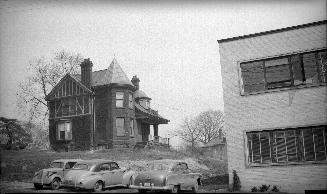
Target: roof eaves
[272, 31]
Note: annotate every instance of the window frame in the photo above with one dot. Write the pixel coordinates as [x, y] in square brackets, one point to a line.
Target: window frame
[119, 100]
[292, 86]
[124, 126]
[248, 164]
[67, 137]
[131, 127]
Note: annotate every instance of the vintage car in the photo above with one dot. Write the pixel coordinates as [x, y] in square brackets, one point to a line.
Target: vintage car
[54, 175]
[97, 175]
[173, 178]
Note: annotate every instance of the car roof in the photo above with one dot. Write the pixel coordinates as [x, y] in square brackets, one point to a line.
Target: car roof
[95, 161]
[68, 160]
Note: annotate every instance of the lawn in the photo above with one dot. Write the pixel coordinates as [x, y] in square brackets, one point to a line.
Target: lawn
[21, 165]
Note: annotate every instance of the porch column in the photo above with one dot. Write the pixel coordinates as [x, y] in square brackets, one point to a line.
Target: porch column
[155, 130]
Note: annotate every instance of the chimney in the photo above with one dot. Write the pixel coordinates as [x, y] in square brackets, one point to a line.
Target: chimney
[136, 82]
[86, 72]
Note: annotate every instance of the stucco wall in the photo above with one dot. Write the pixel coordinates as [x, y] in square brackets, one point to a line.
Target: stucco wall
[289, 108]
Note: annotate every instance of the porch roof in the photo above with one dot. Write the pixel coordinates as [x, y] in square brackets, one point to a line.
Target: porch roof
[149, 115]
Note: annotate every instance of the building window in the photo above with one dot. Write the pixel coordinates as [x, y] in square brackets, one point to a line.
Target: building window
[120, 126]
[131, 127]
[284, 72]
[119, 99]
[130, 101]
[64, 130]
[287, 146]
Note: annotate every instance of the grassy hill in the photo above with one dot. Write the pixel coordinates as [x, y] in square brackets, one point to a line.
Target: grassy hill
[21, 165]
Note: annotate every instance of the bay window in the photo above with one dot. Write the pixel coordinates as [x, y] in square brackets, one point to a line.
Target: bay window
[119, 99]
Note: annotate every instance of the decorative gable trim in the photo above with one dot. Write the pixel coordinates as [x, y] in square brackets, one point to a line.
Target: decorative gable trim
[68, 86]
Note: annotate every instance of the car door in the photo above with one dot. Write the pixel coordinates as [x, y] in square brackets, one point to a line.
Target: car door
[105, 173]
[116, 174]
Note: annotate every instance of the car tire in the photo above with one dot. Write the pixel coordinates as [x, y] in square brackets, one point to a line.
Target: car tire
[38, 186]
[195, 189]
[175, 189]
[55, 184]
[98, 186]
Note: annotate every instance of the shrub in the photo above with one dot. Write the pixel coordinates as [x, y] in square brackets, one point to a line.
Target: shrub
[254, 189]
[236, 182]
[264, 188]
[275, 188]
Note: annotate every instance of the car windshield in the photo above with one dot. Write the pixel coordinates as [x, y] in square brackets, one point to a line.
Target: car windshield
[57, 164]
[159, 166]
[80, 166]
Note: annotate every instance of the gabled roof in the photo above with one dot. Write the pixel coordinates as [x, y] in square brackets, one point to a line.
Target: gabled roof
[59, 84]
[113, 75]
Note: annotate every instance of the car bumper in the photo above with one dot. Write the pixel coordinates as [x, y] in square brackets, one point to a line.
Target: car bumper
[150, 188]
[40, 181]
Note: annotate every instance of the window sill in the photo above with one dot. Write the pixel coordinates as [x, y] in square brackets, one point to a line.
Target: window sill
[286, 164]
[284, 89]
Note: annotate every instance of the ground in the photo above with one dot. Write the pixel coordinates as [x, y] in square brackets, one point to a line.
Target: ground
[18, 167]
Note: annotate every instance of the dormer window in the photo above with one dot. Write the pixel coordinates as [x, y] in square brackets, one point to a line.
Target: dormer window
[119, 99]
[145, 103]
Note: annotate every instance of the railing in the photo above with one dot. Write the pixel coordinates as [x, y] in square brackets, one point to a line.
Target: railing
[158, 139]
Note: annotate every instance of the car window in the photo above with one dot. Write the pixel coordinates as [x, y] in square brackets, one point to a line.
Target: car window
[180, 167]
[57, 164]
[69, 165]
[80, 166]
[114, 166]
[183, 166]
[104, 167]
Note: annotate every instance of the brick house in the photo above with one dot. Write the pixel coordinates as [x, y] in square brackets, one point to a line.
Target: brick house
[100, 109]
[275, 100]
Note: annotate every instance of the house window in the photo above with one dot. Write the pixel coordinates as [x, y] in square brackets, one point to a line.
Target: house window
[119, 99]
[64, 130]
[287, 146]
[284, 72]
[130, 101]
[120, 126]
[131, 127]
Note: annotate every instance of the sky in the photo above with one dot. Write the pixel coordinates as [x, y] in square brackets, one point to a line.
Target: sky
[170, 45]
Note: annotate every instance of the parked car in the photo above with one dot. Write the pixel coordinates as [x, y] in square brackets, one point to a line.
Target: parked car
[54, 175]
[97, 175]
[175, 178]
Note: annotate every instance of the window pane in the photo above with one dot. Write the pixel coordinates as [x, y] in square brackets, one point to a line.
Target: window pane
[291, 146]
[281, 147]
[120, 126]
[68, 129]
[310, 68]
[132, 127]
[297, 70]
[256, 148]
[249, 147]
[322, 63]
[253, 76]
[265, 147]
[278, 73]
[319, 143]
[119, 95]
[79, 104]
[119, 99]
[308, 145]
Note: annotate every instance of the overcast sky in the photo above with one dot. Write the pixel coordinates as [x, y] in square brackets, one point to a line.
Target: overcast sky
[171, 46]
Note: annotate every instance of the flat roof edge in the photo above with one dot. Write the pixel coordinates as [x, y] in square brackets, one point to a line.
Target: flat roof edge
[272, 31]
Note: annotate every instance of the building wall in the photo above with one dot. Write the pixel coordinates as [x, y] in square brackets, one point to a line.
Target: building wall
[81, 134]
[103, 132]
[289, 108]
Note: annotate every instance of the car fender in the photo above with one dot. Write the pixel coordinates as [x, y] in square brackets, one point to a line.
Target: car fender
[53, 176]
[88, 182]
[126, 177]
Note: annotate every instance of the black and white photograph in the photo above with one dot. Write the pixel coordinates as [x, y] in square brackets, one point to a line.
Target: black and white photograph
[148, 96]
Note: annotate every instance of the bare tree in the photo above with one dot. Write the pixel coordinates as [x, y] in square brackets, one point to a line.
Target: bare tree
[43, 75]
[189, 132]
[210, 124]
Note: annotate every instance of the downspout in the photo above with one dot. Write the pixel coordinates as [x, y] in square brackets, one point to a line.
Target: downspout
[93, 126]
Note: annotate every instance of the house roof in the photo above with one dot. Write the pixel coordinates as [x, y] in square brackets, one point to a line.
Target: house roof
[272, 31]
[141, 94]
[114, 74]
